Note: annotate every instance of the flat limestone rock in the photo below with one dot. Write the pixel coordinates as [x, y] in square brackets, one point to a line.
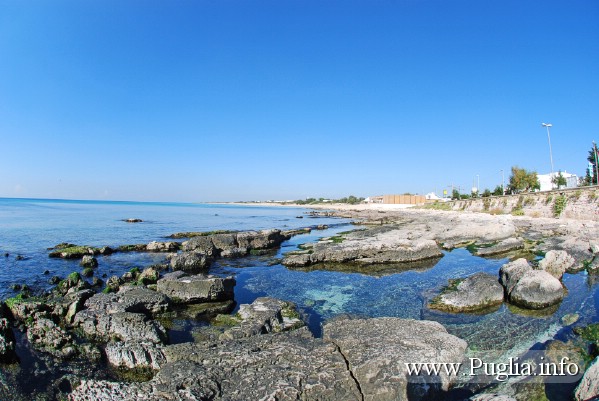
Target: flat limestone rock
[588, 389]
[556, 263]
[382, 247]
[284, 366]
[506, 245]
[378, 349]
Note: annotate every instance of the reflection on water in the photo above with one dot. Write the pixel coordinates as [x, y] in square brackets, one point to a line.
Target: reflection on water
[323, 294]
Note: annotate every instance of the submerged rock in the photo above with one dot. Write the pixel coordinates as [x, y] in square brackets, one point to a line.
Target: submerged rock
[182, 288]
[477, 292]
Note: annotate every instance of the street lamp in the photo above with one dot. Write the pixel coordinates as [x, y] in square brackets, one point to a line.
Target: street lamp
[502, 182]
[550, 154]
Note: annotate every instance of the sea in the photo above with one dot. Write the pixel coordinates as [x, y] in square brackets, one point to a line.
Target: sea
[29, 227]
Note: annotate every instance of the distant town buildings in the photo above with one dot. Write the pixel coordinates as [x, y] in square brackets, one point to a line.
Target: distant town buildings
[545, 180]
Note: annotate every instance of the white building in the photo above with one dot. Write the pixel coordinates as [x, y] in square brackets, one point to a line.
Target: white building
[546, 184]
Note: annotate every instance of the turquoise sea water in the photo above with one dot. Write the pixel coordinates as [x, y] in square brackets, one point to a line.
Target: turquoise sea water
[29, 226]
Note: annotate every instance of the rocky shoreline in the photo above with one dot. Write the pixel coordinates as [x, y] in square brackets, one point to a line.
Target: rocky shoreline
[264, 351]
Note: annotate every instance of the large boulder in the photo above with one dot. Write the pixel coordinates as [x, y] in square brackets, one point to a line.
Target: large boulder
[182, 288]
[191, 261]
[477, 292]
[556, 263]
[135, 355]
[378, 352]
[588, 388]
[89, 261]
[512, 272]
[537, 289]
[234, 244]
[264, 315]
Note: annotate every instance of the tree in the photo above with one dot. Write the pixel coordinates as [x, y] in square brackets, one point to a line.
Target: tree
[559, 180]
[455, 194]
[498, 190]
[522, 180]
[592, 159]
[486, 193]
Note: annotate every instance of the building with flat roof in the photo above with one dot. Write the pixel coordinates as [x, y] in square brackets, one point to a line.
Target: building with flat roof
[546, 184]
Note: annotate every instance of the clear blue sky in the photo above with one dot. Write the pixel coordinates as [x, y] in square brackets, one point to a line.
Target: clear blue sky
[240, 100]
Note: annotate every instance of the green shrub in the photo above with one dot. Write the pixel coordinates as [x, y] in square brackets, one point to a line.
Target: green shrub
[559, 205]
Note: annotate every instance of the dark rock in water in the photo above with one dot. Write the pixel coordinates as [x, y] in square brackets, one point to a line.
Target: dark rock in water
[89, 261]
[191, 262]
[133, 220]
[7, 342]
[197, 288]
[97, 282]
[106, 250]
[6, 255]
[377, 351]
[477, 292]
[233, 244]
[21, 257]
[264, 315]
[528, 288]
[54, 280]
[299, 217]
[46, 272]
[16, 287]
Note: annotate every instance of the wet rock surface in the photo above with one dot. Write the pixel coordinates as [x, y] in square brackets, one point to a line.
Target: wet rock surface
[588, 389]
[475, 293]
[264, 315]
[528, 288]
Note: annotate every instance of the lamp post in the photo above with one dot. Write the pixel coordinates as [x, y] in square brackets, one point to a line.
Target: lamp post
[596, 164]
[547, 125]
[502, 182]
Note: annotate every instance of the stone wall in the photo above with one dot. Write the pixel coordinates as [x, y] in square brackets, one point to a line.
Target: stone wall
[578, 203]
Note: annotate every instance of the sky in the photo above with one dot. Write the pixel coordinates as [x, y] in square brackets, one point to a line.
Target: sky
[223, 100]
